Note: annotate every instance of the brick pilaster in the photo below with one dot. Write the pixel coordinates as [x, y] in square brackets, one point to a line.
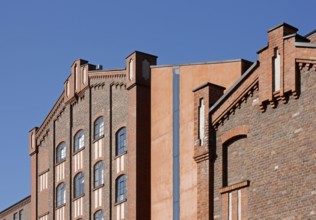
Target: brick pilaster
[209, 93]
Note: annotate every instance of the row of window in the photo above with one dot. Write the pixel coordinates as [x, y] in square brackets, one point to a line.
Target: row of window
[99, 130]
[120, 186]
[19, 215]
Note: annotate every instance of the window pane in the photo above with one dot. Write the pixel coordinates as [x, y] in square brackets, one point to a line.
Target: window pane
[15, 216]
[98, 215]
[121, 142]
[79, 185]
[99, 128]
[79, 140]
[121, 188]
[61, 195]
[98, 174]
[21, 216]
[61, 152]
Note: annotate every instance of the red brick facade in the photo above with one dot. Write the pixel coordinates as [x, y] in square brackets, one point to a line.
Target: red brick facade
[122, 101]
[264, 166]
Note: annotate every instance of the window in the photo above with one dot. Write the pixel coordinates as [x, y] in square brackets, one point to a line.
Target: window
[79, 185]
[61, 152]
[98, 215]
[21, 215]
[79, 140]
[15, 216]
[98, 128]
[234, 201]
[99, 174]
[121, 188]
[61, 194]
[121, 141]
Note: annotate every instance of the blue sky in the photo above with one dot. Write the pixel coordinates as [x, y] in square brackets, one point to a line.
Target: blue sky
[40, 39]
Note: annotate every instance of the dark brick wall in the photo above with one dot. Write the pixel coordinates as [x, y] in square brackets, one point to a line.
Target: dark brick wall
[277, 156]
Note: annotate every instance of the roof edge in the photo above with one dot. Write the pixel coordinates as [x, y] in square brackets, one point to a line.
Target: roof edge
[136, 51]
[236, 84]
[310, 33]
[283, 24]
[202, 63]
[207, 84]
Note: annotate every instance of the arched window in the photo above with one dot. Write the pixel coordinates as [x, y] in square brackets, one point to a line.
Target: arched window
[99, 215]
[121, 188]
[99, 174]
[98, 128]
[121, 141]
[79, 140]
[79, 185]
[61, 194]
[61, 152]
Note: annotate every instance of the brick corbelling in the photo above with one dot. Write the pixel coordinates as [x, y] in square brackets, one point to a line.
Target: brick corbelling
[238, 131]
[306, 63]
[50, 116]
[114, 74]
[234, 101]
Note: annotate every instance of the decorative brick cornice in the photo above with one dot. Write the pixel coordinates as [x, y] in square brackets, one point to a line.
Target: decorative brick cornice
[42, 137]
[235, 101]
[107, 74]
[50, 116]
[306, 63]
[119, 85]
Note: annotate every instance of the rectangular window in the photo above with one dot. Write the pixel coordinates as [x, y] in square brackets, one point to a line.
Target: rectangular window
[234, 201]
[15, 216]
[21, 216]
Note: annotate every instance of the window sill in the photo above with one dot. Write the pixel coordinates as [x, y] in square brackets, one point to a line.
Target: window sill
[117, 156]
[98, 138]
[60, 162]
[98, 187]
[60, 206]
[42, 215]
[233, 187]
[45, 171]
[78, 151]
[120, 202]
[74, 199]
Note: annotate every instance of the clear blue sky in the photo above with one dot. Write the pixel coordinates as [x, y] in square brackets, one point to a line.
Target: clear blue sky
[39, 39]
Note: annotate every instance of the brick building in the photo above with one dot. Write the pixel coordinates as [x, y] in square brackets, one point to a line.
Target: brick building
[216, 140]
[237, 148]
[258, 149]
[18, 211]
